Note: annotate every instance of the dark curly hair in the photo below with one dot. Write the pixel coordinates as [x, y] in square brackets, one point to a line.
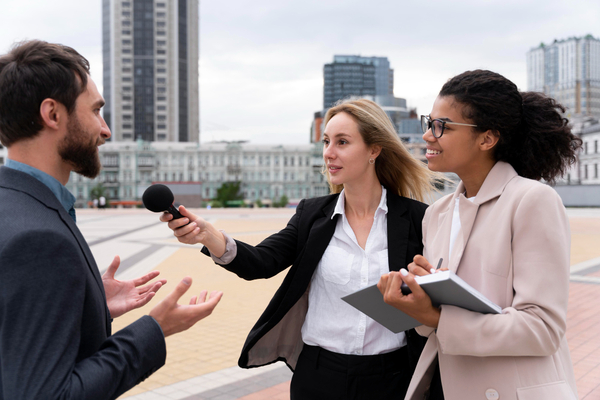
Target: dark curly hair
[533, 135]
[30, 73]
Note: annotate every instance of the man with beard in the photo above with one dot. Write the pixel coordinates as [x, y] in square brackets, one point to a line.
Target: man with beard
[55, 324]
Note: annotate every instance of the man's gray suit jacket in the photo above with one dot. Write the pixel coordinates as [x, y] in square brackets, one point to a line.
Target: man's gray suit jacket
[55, 327]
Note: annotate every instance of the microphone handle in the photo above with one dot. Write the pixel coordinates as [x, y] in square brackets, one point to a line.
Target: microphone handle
[174, 212]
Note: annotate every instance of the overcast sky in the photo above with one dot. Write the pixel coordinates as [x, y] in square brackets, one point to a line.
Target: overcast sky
[261, 62]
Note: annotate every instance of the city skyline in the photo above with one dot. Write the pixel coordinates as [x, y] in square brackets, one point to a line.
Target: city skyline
[261, 62]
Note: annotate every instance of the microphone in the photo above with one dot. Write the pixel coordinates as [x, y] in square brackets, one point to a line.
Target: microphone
[159, 198]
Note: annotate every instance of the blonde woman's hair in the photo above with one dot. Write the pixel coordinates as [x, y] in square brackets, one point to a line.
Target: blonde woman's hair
[396, 169]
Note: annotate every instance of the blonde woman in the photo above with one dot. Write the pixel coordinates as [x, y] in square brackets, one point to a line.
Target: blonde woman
[337, 244]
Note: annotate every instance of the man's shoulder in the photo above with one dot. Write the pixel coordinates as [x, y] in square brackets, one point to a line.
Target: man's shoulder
[21, 211]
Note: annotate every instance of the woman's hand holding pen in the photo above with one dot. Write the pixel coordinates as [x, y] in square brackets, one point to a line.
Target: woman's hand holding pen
[417, 303]
[420, 266]
[192, 229]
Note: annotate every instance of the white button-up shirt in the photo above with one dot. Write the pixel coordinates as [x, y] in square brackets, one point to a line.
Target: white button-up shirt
[345, 268]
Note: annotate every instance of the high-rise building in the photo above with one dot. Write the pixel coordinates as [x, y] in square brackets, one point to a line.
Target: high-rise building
[357, 76]
[568, 71]
[150, 56]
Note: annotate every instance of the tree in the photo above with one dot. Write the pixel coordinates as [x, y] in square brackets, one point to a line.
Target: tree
[98, 191]
[283, 201]
[229, 191]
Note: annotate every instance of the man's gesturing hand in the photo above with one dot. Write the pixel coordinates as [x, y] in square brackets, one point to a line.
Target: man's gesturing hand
[124, 296]
[175, 318]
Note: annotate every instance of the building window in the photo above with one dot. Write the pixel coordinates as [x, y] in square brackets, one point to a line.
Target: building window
[126, 126]
[585, 171]
[127, 136]
[161, 80]
[124, 32]
[161, 52]
[126, 79]
[585, 146]
[162, 126]
[126, 23]
[126, 51]
[161, 108]
[595, 146]
[161, 42]
[126, 107]
[126, 69]
[161, 117]
[126, 98]
[161, 98]
[127, 117]
[126, 42]
[160, 5]
[126, 60]
[161, 14]
[126, 4]
[161, 61]
[126, 14]
[161, 70]
[595, 170]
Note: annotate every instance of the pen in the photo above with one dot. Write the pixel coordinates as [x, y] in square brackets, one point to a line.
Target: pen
[404, 287]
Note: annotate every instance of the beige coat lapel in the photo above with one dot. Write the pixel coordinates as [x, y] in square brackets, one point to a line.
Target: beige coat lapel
[492, 187]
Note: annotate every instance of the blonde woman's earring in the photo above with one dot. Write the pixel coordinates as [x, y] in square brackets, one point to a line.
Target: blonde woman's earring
[371, 161]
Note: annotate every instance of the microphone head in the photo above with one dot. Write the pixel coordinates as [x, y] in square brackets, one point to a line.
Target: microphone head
[158, 198]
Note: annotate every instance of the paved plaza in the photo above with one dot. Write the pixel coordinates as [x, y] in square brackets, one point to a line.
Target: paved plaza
[202, 362]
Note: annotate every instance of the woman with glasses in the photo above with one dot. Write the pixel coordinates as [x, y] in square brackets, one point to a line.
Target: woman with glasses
[503, 232]
[336, 245]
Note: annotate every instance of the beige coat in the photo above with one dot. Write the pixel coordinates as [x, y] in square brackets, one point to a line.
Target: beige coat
[514, 248]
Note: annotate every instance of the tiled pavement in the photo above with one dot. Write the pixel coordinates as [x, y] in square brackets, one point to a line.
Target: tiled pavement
[201, 362]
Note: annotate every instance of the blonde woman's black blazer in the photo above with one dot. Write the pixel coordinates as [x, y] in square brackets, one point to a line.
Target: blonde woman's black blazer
[301, 244]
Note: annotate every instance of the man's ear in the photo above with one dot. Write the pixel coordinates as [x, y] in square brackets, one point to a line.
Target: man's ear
[52, 113]
[487, 140]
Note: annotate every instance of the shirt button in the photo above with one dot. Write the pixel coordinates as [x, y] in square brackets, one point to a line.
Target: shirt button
[492, 394]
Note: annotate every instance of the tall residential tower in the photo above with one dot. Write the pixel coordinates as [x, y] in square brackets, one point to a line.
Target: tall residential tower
[150, 56]
[568, 71]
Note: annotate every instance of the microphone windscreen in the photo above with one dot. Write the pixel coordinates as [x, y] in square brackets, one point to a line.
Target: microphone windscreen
[158, 198]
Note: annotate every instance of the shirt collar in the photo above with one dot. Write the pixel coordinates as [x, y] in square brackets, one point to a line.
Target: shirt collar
[66, 199]
[341, 202]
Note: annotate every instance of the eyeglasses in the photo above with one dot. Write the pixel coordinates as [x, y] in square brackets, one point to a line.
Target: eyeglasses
[437, 125]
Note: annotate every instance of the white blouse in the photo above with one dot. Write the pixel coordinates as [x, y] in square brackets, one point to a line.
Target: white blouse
[345, 268]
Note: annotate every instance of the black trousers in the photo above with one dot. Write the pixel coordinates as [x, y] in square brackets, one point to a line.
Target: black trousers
[322, 374]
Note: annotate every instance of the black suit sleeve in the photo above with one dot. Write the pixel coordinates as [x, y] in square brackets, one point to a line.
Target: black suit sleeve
[269, 257]
[46, 300]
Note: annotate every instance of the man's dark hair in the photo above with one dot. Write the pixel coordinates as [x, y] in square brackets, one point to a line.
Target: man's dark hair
[30, 73]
